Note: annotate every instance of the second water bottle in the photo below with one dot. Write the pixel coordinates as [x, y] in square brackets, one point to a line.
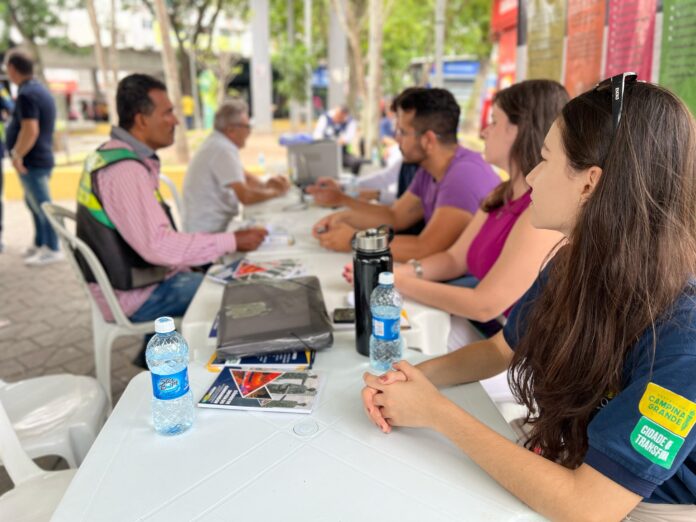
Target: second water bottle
[385, 341]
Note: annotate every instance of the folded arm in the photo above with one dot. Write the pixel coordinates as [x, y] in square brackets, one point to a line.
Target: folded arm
[443, 228]
[510, 276]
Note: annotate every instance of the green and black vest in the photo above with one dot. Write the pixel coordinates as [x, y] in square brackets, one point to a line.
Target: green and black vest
[125, 268]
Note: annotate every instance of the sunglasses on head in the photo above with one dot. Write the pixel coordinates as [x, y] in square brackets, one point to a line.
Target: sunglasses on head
[617, 84]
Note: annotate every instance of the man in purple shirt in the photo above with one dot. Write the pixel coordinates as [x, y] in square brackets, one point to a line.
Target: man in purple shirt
[445, 193]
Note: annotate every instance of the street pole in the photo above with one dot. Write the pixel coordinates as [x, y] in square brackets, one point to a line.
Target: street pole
[440, 5]
[308, 46]
[261, 75]
[198, 123]
[171, 75]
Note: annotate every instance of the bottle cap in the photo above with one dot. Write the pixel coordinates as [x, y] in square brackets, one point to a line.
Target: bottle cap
[164, 325]
[373, 240]
[386, 278]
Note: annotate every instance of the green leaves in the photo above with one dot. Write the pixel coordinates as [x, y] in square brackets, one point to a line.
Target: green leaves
[293, 62]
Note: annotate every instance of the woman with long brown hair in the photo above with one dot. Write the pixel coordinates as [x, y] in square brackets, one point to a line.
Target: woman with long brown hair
[602, 348]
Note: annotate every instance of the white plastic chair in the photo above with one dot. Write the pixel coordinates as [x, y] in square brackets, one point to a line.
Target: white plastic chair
[178, 203]
[56, 414]
[36, 492]
[104, 332]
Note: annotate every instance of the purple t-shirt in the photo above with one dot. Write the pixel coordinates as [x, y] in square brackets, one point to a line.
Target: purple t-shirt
[468, 180]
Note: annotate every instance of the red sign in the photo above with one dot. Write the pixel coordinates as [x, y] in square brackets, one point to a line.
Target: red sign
[584, 47]
[507, 58]
[631, 37]
[504, 15]
[64, 87]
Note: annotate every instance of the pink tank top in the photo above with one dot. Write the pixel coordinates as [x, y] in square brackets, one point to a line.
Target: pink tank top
[488, 243]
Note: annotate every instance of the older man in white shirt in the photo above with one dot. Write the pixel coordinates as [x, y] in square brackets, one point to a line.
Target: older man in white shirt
[215, 180]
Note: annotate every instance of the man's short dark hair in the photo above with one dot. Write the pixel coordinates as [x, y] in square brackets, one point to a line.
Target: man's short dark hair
[434, 109]
[132, 97]
[21, 62]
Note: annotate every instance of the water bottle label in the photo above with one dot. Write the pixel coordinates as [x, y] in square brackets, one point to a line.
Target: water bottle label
[385, 329]
[168, 387]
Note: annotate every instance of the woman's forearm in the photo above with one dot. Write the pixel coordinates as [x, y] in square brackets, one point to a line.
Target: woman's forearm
[554, 491]
[463, 302]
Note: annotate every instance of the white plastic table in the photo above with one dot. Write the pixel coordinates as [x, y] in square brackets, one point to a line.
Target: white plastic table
[333, 464]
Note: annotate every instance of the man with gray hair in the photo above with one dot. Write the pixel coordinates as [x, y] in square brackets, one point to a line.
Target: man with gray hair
[216, 182]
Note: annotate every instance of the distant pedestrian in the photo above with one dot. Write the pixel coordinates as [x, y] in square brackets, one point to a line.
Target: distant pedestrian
[6, 107]
[188, 107]
[30, 142]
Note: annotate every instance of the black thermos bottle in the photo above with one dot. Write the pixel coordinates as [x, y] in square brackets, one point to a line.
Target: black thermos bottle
[371, 256]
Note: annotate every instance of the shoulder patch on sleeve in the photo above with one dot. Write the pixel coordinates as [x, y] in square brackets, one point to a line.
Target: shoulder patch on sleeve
[658, 445]
[668, 409]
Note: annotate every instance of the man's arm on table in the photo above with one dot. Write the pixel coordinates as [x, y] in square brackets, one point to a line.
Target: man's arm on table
[441, 231]
[406, 211]
[128, 200]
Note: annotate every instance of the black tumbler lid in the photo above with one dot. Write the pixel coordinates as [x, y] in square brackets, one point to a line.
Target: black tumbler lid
[373, 239]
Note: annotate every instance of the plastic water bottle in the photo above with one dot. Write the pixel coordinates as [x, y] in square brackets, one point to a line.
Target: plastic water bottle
[167, 359]
[352, 187]
[385, 342]
[375, 156]
[262, 162]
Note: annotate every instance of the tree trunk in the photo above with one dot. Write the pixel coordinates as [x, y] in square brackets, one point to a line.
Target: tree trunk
[171, 75]
[472, 119]
[374, 91]
[184, 71]
[351, 25]
[28, 40]
[113, 60]
[101, 62]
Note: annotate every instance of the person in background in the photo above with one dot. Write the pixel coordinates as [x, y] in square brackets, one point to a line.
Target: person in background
[498, 256]
[380, 186]
[123, 219]
[337, 124]
[445, 193]
[30, 142]
[6, 108]
[500, 253]
[188, 107]
[216, 181]
[601, 349]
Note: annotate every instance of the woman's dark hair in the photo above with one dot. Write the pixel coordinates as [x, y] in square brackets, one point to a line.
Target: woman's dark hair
[434, 109]
[629, 256]
[532, 105]
[133, 97]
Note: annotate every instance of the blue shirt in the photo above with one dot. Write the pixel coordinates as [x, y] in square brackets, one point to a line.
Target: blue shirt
[34, 102]
[643, 438]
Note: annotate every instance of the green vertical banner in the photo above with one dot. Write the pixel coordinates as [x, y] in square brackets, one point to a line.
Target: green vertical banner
[678, 56]
[546, 22]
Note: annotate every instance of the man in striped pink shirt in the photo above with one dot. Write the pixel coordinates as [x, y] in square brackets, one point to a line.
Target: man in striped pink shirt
[121, 216]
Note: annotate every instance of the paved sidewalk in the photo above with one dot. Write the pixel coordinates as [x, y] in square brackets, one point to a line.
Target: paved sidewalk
[45, 324]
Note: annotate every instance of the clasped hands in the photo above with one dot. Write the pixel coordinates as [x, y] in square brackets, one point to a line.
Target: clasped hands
[401, 397]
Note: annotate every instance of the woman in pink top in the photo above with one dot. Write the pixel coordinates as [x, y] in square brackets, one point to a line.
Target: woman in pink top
[500, 253]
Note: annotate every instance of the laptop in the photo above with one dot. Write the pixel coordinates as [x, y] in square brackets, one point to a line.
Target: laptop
[309, 161]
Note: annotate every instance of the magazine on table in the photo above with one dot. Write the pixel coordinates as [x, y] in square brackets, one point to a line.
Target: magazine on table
[263, 390]
[298, 360]
[243, 269]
